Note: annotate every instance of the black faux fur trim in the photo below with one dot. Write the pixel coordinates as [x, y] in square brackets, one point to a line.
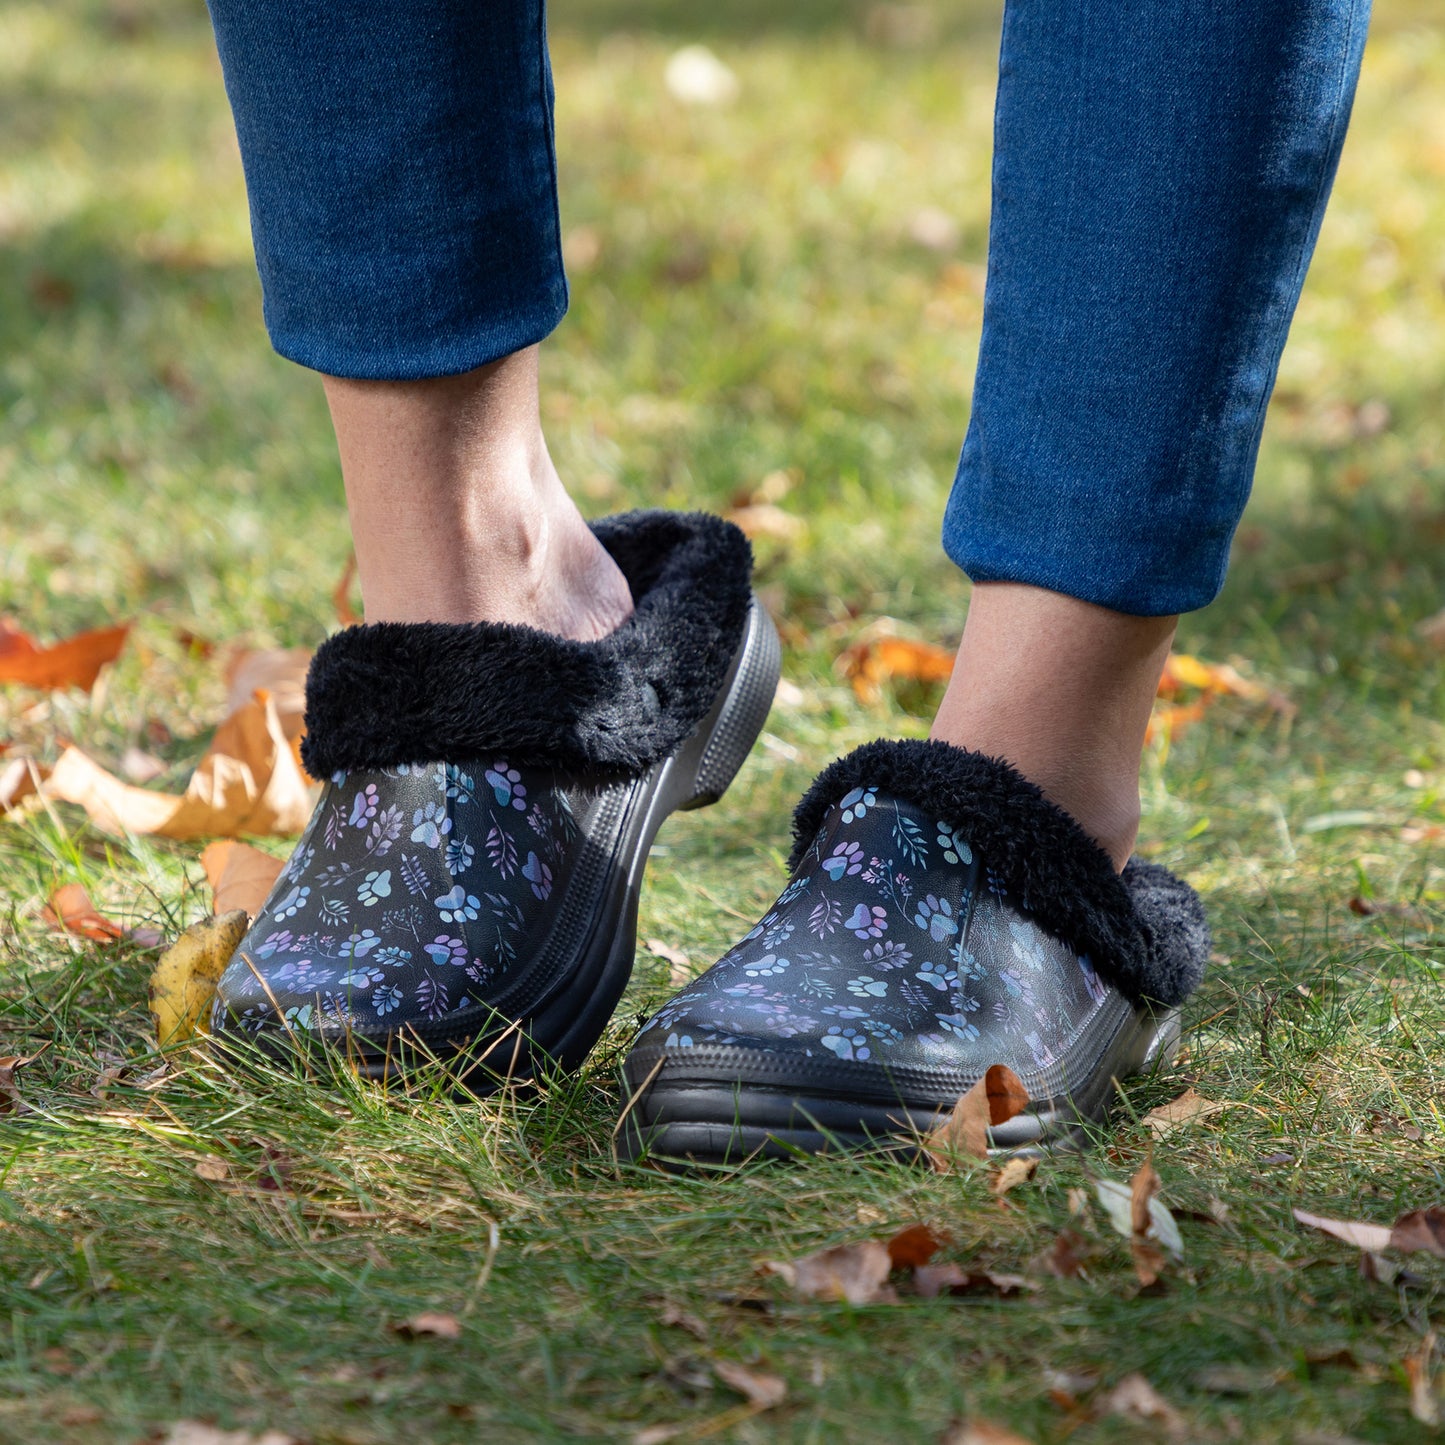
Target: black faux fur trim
[1145, 931]
[387, 693]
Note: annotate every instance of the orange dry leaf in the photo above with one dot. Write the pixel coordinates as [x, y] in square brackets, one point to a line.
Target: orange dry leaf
[248, 782]
[994, 1099]
[1183, 673]
[879, 658]
[70, 909]
[240, 876]
[75, 662]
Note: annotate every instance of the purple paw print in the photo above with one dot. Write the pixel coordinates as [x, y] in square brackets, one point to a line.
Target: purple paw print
[868, 922]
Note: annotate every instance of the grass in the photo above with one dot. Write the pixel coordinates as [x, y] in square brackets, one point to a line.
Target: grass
[752, 304]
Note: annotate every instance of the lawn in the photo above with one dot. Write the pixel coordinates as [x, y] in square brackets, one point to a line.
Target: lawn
[749, 299]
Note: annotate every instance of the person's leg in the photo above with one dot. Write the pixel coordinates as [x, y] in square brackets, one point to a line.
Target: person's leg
[1160, 175]
[400, 170]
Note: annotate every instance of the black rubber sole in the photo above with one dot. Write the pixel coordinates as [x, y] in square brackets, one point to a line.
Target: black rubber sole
[556, 1031]
[679, 1117]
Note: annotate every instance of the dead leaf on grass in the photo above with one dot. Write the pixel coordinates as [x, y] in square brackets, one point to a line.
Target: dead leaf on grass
[1238, 1380]
[11, 1101]
[682, 1319]
[1189, 1108]
[766, 519]
[240, 876]
[1134, 1398]
[429, 1324]
[932, 1280]
[764, 1392]
[1183, 674]
[195, 1432]
[1370, 1237]
[279, 671]
[879, 657]
[1018, 1170]
[71, 911]
[981, 1432]
[213, 1169]
[75, 662]
[1418, 1231]
[853, 1273]
[1143, 1220]
[141, 767]
[184, 980]
[1424, 1403]
[914, 1246]
[994, 1099]
[1066, 1256]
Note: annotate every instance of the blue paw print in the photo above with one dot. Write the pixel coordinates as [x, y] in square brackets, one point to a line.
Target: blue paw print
[539, 875]
[766, 966]
[846, 1043]
[955, 850]
[868, 922]
[938, 975]
[363, 806]
[298, 1016]
[855, 804]
[846, 858]
[361, 978]
[936, 915]
[865, 987]
[458, 906]
[293, 902]
[359, 944]
[429, 825]
[374, 887]
[958, 1026]
[446, 950]
[506, 784]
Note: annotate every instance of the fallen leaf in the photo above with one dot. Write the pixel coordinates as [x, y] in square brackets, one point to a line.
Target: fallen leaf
[273, 1169]
[248, 782]
[981, 1432]
[112, 1071]
[878, 657]
[684, 1320]
[1371, 1237]
[679, 970]
[346, 614]
[1189, 1108]
[1237, 1380]
[765, 1392]
[1066, 1257]
[212, 1169]
[10, 1099]
[1018, 1170]
[19, 779]
[1420, 1231]
[766, 519]
[1172, 719]
[1135, 1398]
[71, 910]
[186, 974]
[141, 767]
[914, 1246]
[75, 662]
[932, 1280]
[194, 1432]
[280, 671]
[994, 1099]
[1184, 673]
[240, 876]
[429, 1324]
[854, 1273]
[1142, 1189]
[1424, 1405]
[1118, 1204]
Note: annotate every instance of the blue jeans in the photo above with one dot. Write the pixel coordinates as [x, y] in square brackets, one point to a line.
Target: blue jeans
[1160, 172]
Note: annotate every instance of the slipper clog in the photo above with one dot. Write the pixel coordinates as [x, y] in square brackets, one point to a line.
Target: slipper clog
[942, 916]
[469, 879]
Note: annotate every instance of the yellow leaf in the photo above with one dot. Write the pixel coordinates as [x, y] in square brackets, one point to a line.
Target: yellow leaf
[186, 975]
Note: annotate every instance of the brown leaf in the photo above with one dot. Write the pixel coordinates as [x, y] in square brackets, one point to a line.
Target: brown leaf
[981, 1432]
[1149, 1260]
[346, 614]
[429, 1324]
[765, 1392]
[1371, 1237]
[673, 1314]
[212, 1169]
[855, 1273]
[10, 1100]
[19, 779]
[1142, 1188]
[1188, 1108]
[141, 767]
[195, 1432]
[71, 911]
[932, 1280]
[914, 1246]
[240, 876]
[1421, 1231]
[1424, 1404]
[1066, 1257]
[1018, 1170]
[878, 657]
[75, 662]
[994, 1099]
[1237, 1380]
[273, 1171]
[1135, 1398]
[248, 782]
[766, 519]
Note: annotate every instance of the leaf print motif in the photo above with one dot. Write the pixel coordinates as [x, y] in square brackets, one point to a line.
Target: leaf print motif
[392, 956]
[459, 785]
[431, 996]
[386, 1000]
[384, 832]
[909, 837]
[333, 874]
[413, 874]
[888, 954]
[459, 855]
[334, 910]
[825, 917]
[506, 912]
[335, 822]
[501, 849]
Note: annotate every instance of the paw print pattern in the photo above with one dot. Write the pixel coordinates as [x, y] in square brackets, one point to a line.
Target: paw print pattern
[430, 823]
[844, 861]
[936, 915]
[867, 921]
[955, 849]
[458, 906]
[374, 887]
[855, 804]
[507, 787]
[363, 807]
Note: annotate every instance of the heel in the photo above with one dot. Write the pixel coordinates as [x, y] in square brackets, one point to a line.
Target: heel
[738, 718]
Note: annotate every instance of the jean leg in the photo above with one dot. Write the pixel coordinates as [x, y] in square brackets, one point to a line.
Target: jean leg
[400, 168]
[1161, 169]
